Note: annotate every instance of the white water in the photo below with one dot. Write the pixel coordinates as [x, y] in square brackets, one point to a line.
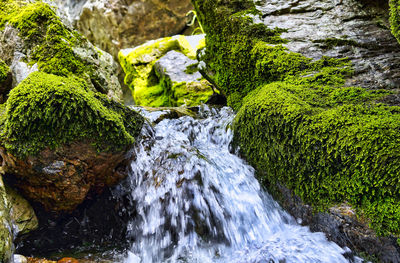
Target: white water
[198, 202]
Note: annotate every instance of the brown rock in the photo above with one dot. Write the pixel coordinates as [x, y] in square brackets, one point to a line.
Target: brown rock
[68, 260]
[61, 180]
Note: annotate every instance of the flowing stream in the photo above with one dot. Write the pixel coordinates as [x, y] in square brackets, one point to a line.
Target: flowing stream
[196, 201]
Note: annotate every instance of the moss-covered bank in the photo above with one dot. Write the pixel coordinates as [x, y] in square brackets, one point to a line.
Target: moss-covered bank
[296, 122]
[48, 111]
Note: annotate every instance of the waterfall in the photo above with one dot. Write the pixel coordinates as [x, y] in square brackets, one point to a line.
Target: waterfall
[197, 201]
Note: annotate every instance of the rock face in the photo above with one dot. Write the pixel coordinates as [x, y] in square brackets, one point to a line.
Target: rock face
[164, 72]
[33, 38]
[60, 151]
[316, 85]
[113, 25]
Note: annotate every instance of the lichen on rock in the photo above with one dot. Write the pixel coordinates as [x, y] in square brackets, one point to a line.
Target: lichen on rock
[155, 72]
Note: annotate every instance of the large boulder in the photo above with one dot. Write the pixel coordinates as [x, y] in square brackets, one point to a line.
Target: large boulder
[315, 84]
[62, 141]
[113, 25]
[164, 72]
[33, 38]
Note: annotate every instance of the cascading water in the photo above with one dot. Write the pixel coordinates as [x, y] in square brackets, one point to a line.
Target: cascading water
[198, 202]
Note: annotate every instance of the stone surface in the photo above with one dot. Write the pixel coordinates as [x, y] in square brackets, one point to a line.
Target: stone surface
[22, 215]
[164, 72]
[358, 30]
[20, 259]
[113, 25]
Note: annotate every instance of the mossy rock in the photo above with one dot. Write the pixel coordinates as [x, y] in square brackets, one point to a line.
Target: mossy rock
[149, 78]
[297, 123]
[47, 111]
[55, 48]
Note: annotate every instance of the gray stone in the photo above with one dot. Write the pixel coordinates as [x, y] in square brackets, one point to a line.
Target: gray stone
[361, 28]
[174, 65]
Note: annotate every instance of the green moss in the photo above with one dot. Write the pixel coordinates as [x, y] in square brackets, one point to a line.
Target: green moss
[4, 70]
[48, 111]
[395, 18]
[297, 123]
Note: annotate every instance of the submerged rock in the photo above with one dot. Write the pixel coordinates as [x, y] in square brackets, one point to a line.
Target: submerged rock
[113, 25]
[33, 38]
[63, 141]
[312, 82]
[164, 72]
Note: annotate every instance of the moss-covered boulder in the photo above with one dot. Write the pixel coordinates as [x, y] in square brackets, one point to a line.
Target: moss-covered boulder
[164, 72]
[33, 38]
[321, 123]
[61, 140]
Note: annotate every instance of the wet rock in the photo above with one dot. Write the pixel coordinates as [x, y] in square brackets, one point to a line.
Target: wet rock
[164, 72]
[113, 25]
[51, 46]
[21, 213]
[67, 260]
[20, 259]
[342, 226]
